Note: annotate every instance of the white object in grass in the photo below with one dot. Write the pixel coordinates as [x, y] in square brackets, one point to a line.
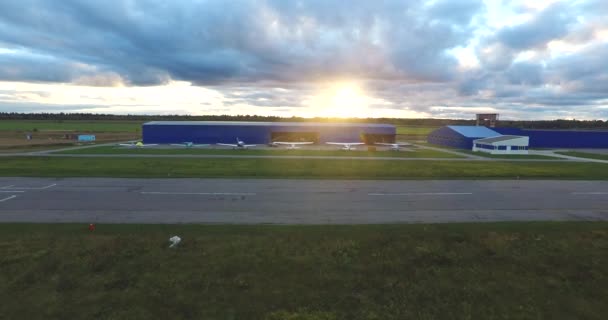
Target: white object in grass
[174, 241]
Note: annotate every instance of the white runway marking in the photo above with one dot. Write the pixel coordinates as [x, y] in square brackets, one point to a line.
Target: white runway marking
[10, 191]
[31, 188]
[422, 194]
[596, 193]
[9, 198]
[204, 193]
[6, 187]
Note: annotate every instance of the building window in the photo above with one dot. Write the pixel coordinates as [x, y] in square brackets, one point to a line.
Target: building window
[519, 148]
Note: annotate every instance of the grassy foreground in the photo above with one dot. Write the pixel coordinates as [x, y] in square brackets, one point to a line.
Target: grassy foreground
[457, 271]
[295, 168]
[418, 153]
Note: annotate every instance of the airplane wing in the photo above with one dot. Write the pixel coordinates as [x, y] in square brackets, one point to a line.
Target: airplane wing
[249, 145]
[292, 143]
[148, 145]
[227, 144]
[178, 144]
[127, 144]
[346, 143]
[398, 144]
[200, 145]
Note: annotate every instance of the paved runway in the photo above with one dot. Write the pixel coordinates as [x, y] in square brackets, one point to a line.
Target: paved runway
[297, 201]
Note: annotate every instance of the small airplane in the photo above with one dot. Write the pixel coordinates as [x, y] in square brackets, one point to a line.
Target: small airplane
[346, 145]
[394, 146]
[291, 145]
[189, 145]
[137, 144]
[239, 144]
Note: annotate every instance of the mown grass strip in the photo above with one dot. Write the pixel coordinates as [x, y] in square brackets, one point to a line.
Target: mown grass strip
[457, 271]
[296, 168]
[584, 155]
[417, 153]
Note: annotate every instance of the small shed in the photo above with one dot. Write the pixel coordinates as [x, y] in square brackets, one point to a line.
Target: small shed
[502, 145]
[86, 137]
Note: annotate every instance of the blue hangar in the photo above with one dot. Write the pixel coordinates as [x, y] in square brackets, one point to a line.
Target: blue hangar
[463, 136]
[264, 132]
[459, 136]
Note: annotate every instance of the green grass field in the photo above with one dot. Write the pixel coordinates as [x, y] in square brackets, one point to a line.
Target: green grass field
[442, 271]
[419, 153]
[585, 155]
[34, 148]
[411, 130]
[295, 168]
[71, 125]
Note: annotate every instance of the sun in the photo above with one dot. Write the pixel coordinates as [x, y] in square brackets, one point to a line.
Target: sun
[343, 100]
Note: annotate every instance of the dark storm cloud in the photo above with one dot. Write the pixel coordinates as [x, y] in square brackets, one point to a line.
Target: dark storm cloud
[586, 65]
[552, 23]
[267, 53]
[525, 73]
[545, 81]
[457, 12]
[34, 68]
[559, 20]
[148, 42]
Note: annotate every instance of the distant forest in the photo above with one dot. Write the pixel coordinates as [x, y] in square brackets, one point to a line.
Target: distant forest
[544, 124]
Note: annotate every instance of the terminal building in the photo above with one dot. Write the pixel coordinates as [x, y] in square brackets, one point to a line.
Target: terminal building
[461, 137]
[464, 137]
[165, 132]
[502, 145]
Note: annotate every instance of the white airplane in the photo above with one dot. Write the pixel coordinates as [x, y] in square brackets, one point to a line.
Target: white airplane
[239, 144]
[346, 145]
[292, 145]
[137, 144]
[394, 146]
[189, 145]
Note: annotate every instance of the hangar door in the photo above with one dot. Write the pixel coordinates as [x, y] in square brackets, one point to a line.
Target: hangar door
[294, 136]
[370, 138]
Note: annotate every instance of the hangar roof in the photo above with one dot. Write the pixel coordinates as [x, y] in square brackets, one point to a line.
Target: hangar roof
[499, 139]
[275, 124]
[474, 131]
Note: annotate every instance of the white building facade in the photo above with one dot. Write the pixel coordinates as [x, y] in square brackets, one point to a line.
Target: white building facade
[502, 145]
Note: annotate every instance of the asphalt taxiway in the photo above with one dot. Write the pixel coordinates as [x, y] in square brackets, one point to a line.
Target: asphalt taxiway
[280, 201]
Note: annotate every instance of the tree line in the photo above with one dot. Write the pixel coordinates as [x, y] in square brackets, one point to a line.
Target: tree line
[528, 124]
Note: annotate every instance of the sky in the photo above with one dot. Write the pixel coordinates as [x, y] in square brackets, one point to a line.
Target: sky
[523, 59]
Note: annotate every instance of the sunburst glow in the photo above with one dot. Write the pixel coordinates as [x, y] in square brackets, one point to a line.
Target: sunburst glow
[340, 100]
